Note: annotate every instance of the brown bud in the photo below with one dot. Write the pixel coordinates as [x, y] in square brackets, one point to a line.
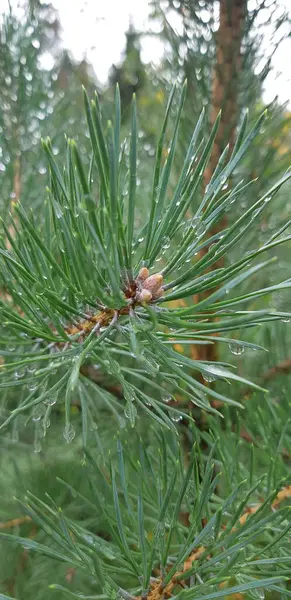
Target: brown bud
[159, 293]
[144, 296]
[143, 274]
[154, 285]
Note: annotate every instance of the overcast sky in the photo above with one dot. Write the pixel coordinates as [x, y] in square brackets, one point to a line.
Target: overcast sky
[95, 29]
[98, 27]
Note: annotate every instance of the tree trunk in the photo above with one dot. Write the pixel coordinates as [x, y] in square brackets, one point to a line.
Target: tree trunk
[225, 91]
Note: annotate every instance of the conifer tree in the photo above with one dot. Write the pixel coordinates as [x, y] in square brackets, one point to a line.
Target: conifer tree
[130, 75]
[96, 323]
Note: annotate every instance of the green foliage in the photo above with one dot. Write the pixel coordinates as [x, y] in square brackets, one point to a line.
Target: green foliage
[26, 92]
[140, 502]
[177, 481]
[67, 321]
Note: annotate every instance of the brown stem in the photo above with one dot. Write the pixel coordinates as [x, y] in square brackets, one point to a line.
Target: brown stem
[14, 522]
[282, 367]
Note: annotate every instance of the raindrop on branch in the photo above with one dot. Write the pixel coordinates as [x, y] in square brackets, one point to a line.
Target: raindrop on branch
[37, 446]
[130, 411]
[176, 418]
[37, 413]
[69, 433]
[32, 386]
[50, 401]
[236, 348]
[209, 377]
[18, 374]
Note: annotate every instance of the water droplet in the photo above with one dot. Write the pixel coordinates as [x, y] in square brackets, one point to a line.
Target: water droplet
[37, 413]
[196, 224]
[168, 399]
[236, 348]
[10, 347]
[29, 31]
[32, 386]
[141, 239]
[150, 365]
[31, 368]
[46, 422]
[18, 374]
[37, 446]
[256, 212]
[285, 320]
[267, 199]
[36, 44]
[176, 418]
[69, 432]
[166, 243]
[200, 229]
[209, 377]
[51, 400]
[130, 411]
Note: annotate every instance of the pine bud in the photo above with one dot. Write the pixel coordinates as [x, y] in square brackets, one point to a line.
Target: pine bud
[144, 296]
[154, 285]
[143, 274]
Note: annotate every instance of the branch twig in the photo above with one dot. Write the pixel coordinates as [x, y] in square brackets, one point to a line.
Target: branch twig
[14, 522]
[159, 592]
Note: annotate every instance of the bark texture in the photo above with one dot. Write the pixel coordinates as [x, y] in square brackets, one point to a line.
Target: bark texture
[225, 97]
[225, 87]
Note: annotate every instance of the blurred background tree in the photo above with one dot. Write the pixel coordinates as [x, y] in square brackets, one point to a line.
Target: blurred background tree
[130, 75]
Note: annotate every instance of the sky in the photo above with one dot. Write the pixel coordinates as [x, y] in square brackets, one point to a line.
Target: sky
[95, 29]
[99, 25]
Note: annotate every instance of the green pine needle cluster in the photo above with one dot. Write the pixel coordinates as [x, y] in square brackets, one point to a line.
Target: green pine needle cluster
[86, 288]
[90, 291]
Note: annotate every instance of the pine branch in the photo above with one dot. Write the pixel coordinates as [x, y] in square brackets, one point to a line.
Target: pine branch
[84, 290]
[159, 591]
